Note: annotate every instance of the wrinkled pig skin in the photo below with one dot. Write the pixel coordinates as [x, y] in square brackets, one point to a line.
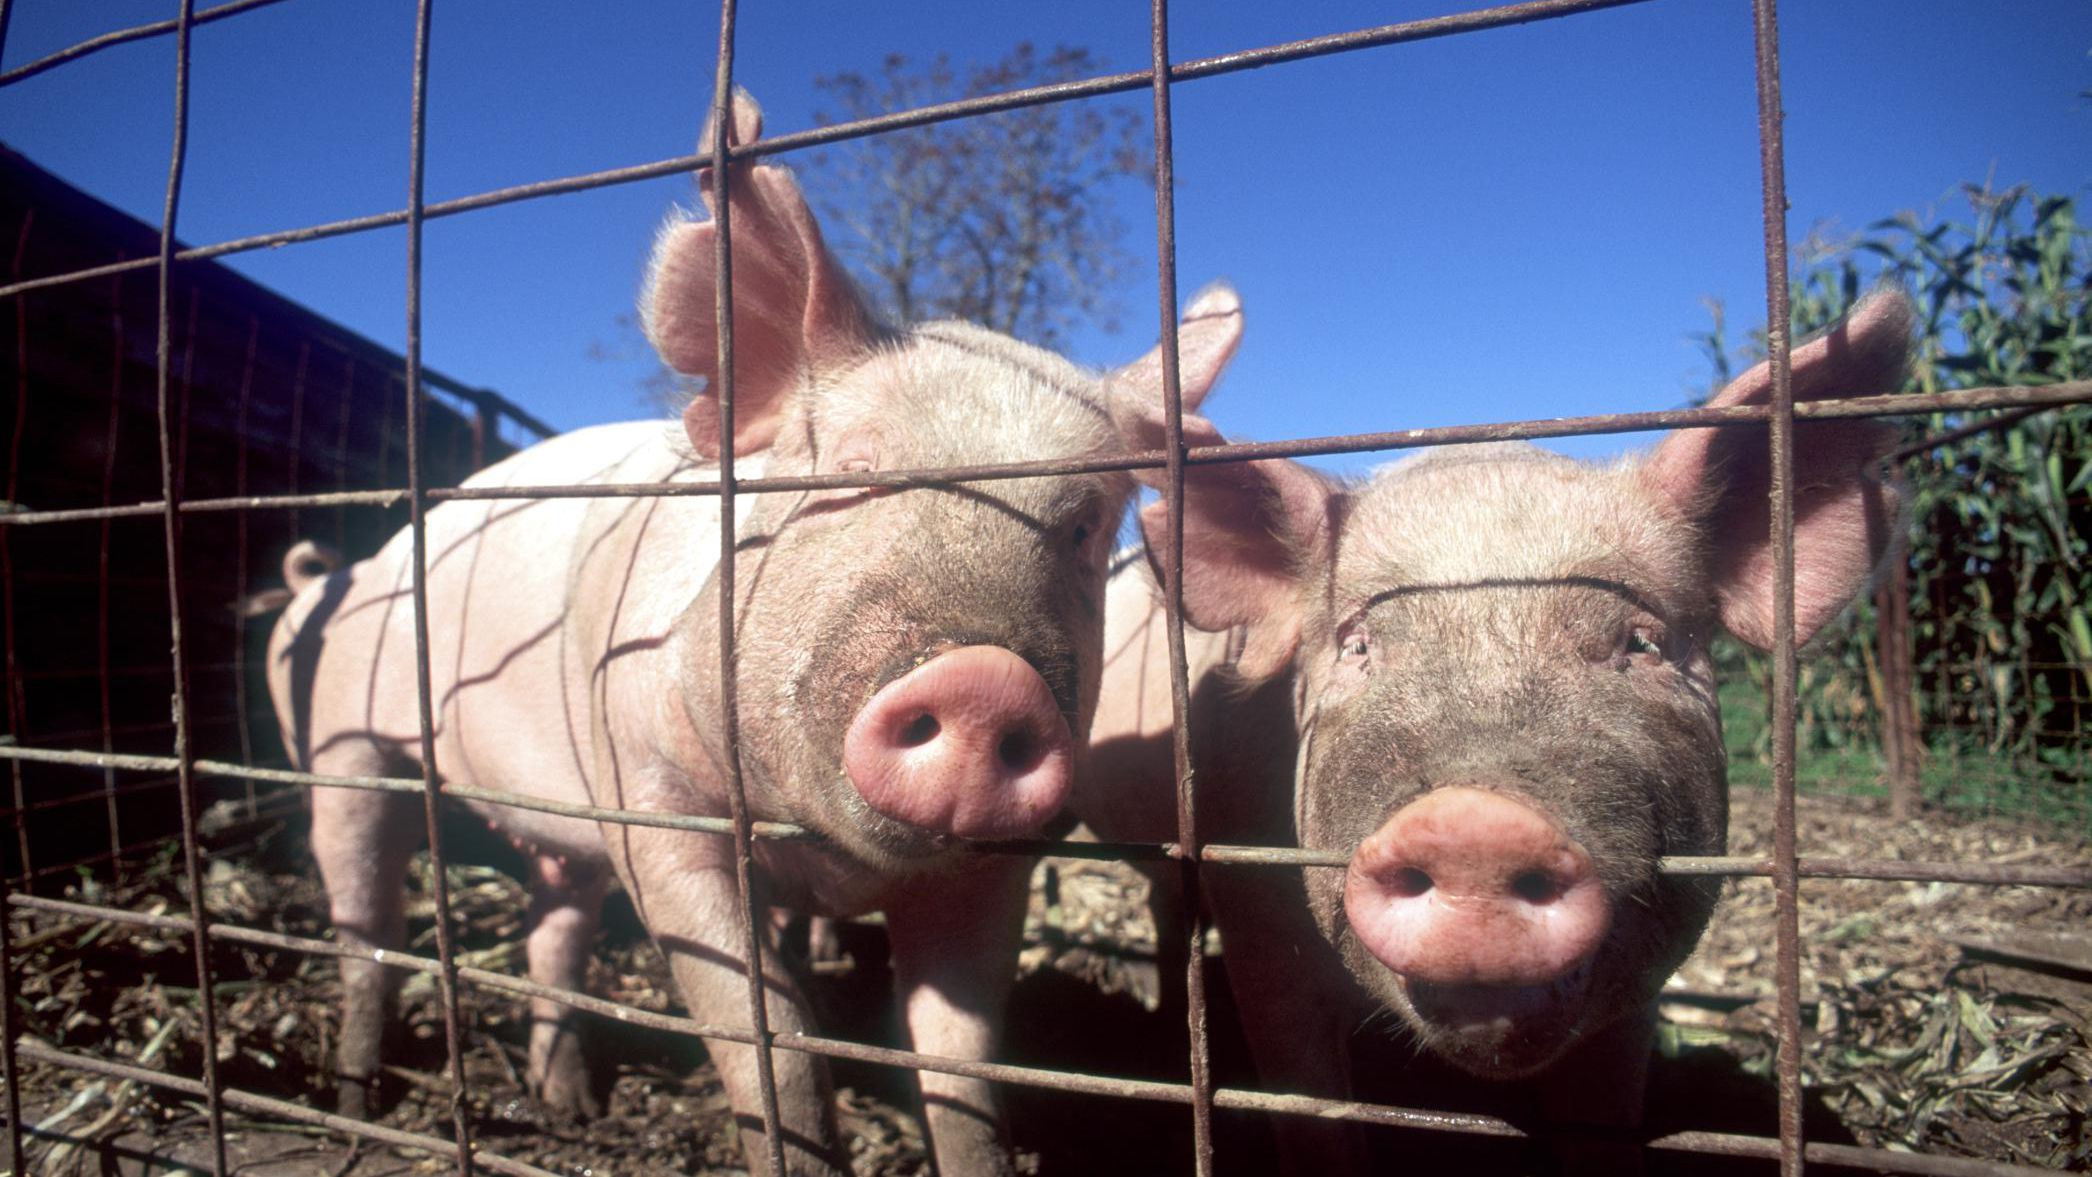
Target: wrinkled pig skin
[898, 652]
[1481, 673]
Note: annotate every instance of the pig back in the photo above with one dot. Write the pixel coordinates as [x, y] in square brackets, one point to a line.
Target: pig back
[1126, 790]
[503, 613]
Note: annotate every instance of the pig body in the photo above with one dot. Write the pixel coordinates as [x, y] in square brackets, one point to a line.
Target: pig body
[914, 667]
[1482, 675]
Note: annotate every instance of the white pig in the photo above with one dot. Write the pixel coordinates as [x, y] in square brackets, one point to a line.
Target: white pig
[917, 668]
[1482, 675]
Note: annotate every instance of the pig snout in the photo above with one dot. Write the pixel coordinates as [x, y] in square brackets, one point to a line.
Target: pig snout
[1465, 888]
[970, 743]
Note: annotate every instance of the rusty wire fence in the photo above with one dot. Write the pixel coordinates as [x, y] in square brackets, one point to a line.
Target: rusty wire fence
[271, 400]
[1786, 866]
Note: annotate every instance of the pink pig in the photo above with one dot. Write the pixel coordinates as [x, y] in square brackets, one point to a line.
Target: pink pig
[917, 668]
[1482, 675]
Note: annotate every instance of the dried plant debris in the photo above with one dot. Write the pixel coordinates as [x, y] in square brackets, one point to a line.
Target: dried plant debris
[1091, 921]
[1940, 1018]
[129, 994]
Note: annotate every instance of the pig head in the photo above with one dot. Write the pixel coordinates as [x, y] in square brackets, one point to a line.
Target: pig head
[1491, 665]
[919, 658]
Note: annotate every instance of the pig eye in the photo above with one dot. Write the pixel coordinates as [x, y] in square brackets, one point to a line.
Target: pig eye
[1081, 530]
[856, 452]
[1353, 667]
[1643, 645]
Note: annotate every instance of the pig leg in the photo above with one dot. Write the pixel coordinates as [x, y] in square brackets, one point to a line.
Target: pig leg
[709, 970]
[824, 944]
[362, 841]
[1172, 938]
[1299, 1034]
[683, 887]
[954, 960]
[566, 899]
[1594, 1096]
[823, 950]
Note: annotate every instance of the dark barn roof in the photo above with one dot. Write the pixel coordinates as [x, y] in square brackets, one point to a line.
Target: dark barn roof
[268, 398]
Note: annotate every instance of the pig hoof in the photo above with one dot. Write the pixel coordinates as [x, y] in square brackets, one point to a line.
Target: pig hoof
[824, 947]
[569, 1097]
[355, 1097]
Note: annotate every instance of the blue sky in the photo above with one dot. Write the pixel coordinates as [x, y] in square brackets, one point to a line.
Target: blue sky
[1515, 223]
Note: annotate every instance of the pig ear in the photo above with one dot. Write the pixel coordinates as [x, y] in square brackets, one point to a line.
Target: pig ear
[1207, 336]
[1847, 515]
[1247, 526]
[794, 309]
[1249, 530]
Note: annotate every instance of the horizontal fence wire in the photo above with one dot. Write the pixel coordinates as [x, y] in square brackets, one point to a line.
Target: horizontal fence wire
[1785, 865]
[2044, 396]
[1977, 873]
[296, 1113]
[264, 814]
[1702, 1143]
[1710, 1143]
[110, 40]
[1420, 30]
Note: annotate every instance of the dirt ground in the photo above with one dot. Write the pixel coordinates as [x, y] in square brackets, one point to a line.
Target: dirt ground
[1944, 1019]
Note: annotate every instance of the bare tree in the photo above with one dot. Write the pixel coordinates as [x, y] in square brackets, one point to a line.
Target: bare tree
[1004, 220]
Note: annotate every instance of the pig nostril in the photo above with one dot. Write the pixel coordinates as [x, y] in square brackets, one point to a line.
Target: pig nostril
[1409, 882]
[1536, 887]
[920, 730]
[1019, 752]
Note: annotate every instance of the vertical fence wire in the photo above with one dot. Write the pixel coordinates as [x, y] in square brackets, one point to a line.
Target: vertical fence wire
[721, 123]
[185, 775]
[417, 506]
[341, 451]
[1786, 881]
[118, 356]
[8, 1067]
[1173, 602]
[295, 452]
[239, 555]
[9, 1074]
[181, 452]
[17, 705]
[9, 1070]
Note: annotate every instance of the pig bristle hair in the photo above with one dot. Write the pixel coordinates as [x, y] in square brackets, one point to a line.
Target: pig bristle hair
[678, 216]
[960, 377]
[1302, 550]
[1384, 1022]
[677, 438]
[1044, 366]
[1131, 556]
[1419, 512]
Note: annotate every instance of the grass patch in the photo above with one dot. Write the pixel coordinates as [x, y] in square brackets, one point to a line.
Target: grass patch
[1955, 776]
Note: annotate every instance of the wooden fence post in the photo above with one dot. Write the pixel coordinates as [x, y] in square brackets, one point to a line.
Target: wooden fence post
[1901, 743]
